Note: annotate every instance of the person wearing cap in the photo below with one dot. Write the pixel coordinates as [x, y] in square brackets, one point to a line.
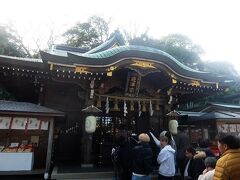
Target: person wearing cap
[142, 159]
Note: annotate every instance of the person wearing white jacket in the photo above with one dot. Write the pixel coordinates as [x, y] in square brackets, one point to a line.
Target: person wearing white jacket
[165, 159]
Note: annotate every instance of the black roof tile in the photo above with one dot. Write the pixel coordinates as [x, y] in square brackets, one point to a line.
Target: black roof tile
[25, 107]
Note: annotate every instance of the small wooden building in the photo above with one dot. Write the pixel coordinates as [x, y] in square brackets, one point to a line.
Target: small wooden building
[26, 137]
[207, 123]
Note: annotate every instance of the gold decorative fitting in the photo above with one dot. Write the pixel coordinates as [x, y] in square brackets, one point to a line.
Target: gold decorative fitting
[115, 45]
[195, 83]
[174, 81]
[144, 64]
[79, 69]
[112, 68]
[109, 73]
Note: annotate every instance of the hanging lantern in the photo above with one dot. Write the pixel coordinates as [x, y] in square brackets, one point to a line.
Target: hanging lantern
[90, 124]
[99, 104]
[131, 106]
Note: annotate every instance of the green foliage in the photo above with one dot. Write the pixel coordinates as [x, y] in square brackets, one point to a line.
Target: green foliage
[88, 34]
[11, 43]
[183, 49]
[144, 40]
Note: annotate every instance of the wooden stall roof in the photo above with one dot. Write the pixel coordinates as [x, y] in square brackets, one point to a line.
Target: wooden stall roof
[214, 111]
[216, 106]
[25, 108]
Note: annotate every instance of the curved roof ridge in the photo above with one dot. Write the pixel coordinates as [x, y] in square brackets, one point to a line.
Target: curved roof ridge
[115, 39]
[116, 50]
[21, 58]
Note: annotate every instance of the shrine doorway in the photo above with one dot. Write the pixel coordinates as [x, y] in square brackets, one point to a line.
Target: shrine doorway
[110, 127]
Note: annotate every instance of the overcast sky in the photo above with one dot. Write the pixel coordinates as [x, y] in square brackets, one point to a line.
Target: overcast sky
[213, 24]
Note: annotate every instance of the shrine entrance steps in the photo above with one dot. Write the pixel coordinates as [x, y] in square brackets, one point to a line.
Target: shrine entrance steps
[100, 173]
[77, 172]
[89, 173]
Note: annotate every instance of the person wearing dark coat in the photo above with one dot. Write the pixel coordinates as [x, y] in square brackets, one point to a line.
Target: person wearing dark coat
[142, 159]
[194, 165]
[182, 142]
[123, 160]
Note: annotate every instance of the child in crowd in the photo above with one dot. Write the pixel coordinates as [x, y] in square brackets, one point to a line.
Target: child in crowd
[166, 158]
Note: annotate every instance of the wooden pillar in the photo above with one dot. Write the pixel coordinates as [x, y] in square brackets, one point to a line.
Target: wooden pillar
[87, 150]
[49, 148]
[87, 139]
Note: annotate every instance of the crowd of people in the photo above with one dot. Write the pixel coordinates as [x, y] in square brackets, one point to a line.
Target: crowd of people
[134, 159]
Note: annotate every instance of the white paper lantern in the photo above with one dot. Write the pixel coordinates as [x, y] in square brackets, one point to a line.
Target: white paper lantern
[172, 126]
[90, 124]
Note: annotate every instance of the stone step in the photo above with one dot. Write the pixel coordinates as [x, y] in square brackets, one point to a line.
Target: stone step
[81, 175]
[107, 175]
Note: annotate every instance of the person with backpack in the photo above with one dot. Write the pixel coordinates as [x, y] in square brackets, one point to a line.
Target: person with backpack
[142, 159]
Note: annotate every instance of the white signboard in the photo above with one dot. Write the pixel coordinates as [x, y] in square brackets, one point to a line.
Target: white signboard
[44, 125]
[33, 123]
[5, 122]
[16, 161]
[232, 128]
[223, 128]
[19, 123]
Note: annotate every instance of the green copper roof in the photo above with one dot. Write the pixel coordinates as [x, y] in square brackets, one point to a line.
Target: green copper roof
[103, 45]
[115, 39]
[110, 52]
